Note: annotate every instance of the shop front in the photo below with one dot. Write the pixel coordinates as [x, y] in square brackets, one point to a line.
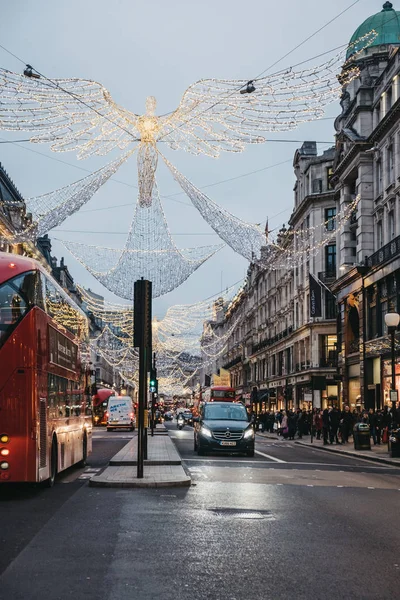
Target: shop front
[354, 387]
[387, 380]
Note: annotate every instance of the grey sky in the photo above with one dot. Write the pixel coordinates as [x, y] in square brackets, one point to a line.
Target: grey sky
[140, 48]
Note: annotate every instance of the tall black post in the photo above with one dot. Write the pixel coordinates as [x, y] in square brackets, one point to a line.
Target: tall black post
[142, 405]
[142, 340]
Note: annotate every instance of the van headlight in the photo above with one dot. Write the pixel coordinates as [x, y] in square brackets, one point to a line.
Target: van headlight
[206, 432]
[249, 433]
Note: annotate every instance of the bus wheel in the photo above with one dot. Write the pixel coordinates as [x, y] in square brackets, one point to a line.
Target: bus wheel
[53, 464]
[82, 462]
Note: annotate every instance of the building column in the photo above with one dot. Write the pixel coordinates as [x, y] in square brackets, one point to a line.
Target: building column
[345, 244]
[365, 224]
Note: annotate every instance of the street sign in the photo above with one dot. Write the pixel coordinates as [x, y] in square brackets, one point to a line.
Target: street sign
[393, 396]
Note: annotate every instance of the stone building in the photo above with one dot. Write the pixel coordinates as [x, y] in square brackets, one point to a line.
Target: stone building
[281, 348]
[367, 164]
[14, 219]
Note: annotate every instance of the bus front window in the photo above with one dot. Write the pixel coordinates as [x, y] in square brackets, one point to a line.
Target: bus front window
[16, 298]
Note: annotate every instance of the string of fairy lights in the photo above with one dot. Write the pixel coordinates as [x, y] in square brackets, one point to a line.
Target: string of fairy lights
[213, 116]
[182, 343]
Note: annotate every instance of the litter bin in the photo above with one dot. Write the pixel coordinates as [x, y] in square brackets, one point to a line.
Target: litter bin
[394, 443]
[362, 437]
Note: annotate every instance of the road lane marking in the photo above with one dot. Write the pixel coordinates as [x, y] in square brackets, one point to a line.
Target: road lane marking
[278, 460]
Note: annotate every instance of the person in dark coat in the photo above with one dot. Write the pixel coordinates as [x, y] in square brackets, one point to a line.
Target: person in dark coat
[292, 424]
[300, 423]
[318, 424]
[347, 424]
[325, 425]
[334, 419]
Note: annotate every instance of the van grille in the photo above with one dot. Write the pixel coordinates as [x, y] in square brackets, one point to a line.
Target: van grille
[42, 433]
[223, 434]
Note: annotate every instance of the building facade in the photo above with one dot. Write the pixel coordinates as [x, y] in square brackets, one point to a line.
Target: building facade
[284, 347]
[367, 164]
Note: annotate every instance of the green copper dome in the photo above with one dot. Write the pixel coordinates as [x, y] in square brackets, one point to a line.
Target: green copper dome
[386, 24]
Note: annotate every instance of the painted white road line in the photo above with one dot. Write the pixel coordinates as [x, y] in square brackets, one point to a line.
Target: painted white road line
[278, 460]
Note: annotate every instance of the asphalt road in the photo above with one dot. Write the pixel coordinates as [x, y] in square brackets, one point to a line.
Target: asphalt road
[292, 523]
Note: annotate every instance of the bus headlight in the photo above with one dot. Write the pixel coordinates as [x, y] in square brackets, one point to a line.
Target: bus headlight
[4, 452]
[4, 465]
[4, 439]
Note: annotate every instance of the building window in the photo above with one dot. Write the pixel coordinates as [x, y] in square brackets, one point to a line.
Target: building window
[379, 235]
[329, 174]
[390, 165]
[288, 361]
[330, 306]
[391, 225]
[379, 176]
[328, 346]
[280, 363]
[330, 259]
[330, 219]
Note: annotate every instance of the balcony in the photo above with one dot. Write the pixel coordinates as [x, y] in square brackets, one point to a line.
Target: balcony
[273, 340]
[387, 252]
[329, 363]
[327, 277]
[354, 346]
[232, 363]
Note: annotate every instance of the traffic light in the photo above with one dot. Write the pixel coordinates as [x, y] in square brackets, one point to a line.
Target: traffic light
[153, 381]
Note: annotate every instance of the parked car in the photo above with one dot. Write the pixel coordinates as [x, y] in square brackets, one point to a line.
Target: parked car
[223, 426]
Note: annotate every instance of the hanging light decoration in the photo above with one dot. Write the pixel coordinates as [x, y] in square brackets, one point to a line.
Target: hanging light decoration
[214, 115]
[149, 252]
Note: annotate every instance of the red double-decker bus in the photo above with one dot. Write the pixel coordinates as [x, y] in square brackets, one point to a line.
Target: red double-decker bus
[45, 425]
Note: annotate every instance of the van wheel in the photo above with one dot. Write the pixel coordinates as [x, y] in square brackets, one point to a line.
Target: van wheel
[82, 462]
[53, 464]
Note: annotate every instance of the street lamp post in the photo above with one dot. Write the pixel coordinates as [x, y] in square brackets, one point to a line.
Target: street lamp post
[392, 321]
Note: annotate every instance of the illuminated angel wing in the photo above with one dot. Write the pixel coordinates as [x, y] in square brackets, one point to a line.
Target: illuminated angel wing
[216, 115]
[72, 114]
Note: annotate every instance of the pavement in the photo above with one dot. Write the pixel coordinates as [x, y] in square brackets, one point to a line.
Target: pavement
[378, 453]
[162, 468]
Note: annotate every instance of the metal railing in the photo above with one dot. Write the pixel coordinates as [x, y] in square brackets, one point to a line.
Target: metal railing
[385, 253]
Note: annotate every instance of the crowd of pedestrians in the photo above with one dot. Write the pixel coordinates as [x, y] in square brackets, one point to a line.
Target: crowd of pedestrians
[332, 425]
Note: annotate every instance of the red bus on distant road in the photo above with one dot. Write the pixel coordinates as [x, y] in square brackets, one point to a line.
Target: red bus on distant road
[218, 393]
[45, 425]
[100, 404]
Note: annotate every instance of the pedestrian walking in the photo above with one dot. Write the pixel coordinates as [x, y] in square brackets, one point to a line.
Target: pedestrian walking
[292, 424]
[300, 423]
[347, 424]
[334, 419]
[325, 425]
[318, 424]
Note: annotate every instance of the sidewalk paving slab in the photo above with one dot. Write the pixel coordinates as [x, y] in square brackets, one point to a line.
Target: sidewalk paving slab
[153, 477]
[378, 453]
[160, 451]
[163, 467]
